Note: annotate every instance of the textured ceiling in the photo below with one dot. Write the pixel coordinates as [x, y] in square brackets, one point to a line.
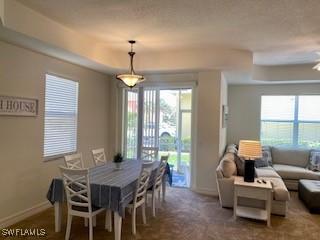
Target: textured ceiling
[277, 31]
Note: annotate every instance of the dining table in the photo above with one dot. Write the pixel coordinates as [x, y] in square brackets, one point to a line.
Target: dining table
[111, 188]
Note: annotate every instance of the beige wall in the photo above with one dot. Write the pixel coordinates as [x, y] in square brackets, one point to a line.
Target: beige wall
[244, 106]
[24, 176]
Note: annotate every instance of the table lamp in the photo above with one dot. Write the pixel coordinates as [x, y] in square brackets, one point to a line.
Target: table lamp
[249, 150]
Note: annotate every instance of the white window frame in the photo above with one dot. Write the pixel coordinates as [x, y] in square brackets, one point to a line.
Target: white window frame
[57, 156]
[295, 121]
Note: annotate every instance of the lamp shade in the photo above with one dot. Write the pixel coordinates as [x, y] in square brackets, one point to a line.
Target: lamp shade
[249, 149]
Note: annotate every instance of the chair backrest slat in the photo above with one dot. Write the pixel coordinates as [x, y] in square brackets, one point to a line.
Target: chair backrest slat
[99, 156]
[143, 181]
[149, 153]
[160, 171]
[74, 161]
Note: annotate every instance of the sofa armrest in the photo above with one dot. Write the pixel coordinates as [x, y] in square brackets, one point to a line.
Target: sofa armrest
[225, 190]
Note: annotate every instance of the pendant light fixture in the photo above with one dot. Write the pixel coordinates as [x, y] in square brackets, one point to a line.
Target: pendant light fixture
[131, 79]
[317, 67]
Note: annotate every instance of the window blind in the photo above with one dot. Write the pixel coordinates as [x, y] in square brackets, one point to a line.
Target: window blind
[60, 120]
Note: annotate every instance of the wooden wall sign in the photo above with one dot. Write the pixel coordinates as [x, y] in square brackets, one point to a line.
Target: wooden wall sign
[18, 106]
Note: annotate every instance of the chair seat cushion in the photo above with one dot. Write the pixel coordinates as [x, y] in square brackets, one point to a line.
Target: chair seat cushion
[295, 173]
[84, 209]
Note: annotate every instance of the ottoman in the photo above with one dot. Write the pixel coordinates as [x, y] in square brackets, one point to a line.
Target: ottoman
[309, 193]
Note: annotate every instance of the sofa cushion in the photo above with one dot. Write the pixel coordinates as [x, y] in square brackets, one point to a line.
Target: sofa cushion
[266, 159]
[314, 163]
[290, 156]
[280, 191]
[295, 173]
[266, 172]
[228, 165]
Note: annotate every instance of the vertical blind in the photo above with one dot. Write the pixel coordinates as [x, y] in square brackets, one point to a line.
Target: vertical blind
[131, 124]
[60, 119]
[291, 120]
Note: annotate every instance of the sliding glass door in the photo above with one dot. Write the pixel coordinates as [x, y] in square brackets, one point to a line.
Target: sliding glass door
[166, 122]
[130, 124]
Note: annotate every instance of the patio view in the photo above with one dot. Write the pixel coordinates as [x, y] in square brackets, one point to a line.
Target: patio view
[166, 125]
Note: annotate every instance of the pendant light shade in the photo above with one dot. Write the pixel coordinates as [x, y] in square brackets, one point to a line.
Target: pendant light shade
[131, 79]
[317, 67]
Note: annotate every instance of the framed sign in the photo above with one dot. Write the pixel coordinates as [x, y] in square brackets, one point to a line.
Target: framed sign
[18, 106]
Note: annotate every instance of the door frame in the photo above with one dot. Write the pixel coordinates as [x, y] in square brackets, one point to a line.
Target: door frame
[193, 85]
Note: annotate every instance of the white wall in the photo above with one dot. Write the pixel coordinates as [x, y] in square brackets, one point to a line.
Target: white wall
[208, 125]
[223, 102]
[24, 176]
[244, 106]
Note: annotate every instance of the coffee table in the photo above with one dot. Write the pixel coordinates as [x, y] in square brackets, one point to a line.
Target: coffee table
[254, 190]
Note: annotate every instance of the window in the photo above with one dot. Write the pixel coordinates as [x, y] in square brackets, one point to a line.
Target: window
[290, 120]
[60, 117]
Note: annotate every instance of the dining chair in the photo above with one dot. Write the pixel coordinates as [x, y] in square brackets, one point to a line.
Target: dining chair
[99, 156]
[149, 153]
[139, 199]
[77, 187]
[74, 161]
[157, 183]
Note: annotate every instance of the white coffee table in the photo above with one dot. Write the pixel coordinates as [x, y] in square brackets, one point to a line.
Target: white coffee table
[254, 190]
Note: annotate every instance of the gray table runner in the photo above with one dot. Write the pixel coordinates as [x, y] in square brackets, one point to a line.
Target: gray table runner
[110, 188]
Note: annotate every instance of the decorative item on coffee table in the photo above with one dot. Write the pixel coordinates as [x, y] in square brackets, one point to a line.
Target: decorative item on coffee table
[249, 150]
[118, 159]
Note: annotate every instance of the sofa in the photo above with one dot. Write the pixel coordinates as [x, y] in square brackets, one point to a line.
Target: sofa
[287, 166]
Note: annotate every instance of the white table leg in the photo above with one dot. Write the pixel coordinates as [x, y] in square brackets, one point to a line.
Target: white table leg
[57, 216]
[164, 185]
[117, 226]
[269, 201]
[108, 220]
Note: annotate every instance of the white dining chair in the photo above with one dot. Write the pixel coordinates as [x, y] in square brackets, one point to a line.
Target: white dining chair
[139, 199]
[149, 153]
[77, 188]
[74, 161]
[99, 157]
[157, 183]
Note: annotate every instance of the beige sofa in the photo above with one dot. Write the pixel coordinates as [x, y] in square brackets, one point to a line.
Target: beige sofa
[289, 165]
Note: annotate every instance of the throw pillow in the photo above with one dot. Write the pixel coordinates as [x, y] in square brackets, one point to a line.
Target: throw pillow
[240, 165]
[232, 148]
[314, 161]
[228, 166]
[266, 159]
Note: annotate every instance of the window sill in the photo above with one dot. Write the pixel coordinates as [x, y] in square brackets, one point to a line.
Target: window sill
[56, 157]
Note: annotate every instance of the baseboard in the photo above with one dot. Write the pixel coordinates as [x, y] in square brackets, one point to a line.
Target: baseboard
[17, 217]
[206, 191]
